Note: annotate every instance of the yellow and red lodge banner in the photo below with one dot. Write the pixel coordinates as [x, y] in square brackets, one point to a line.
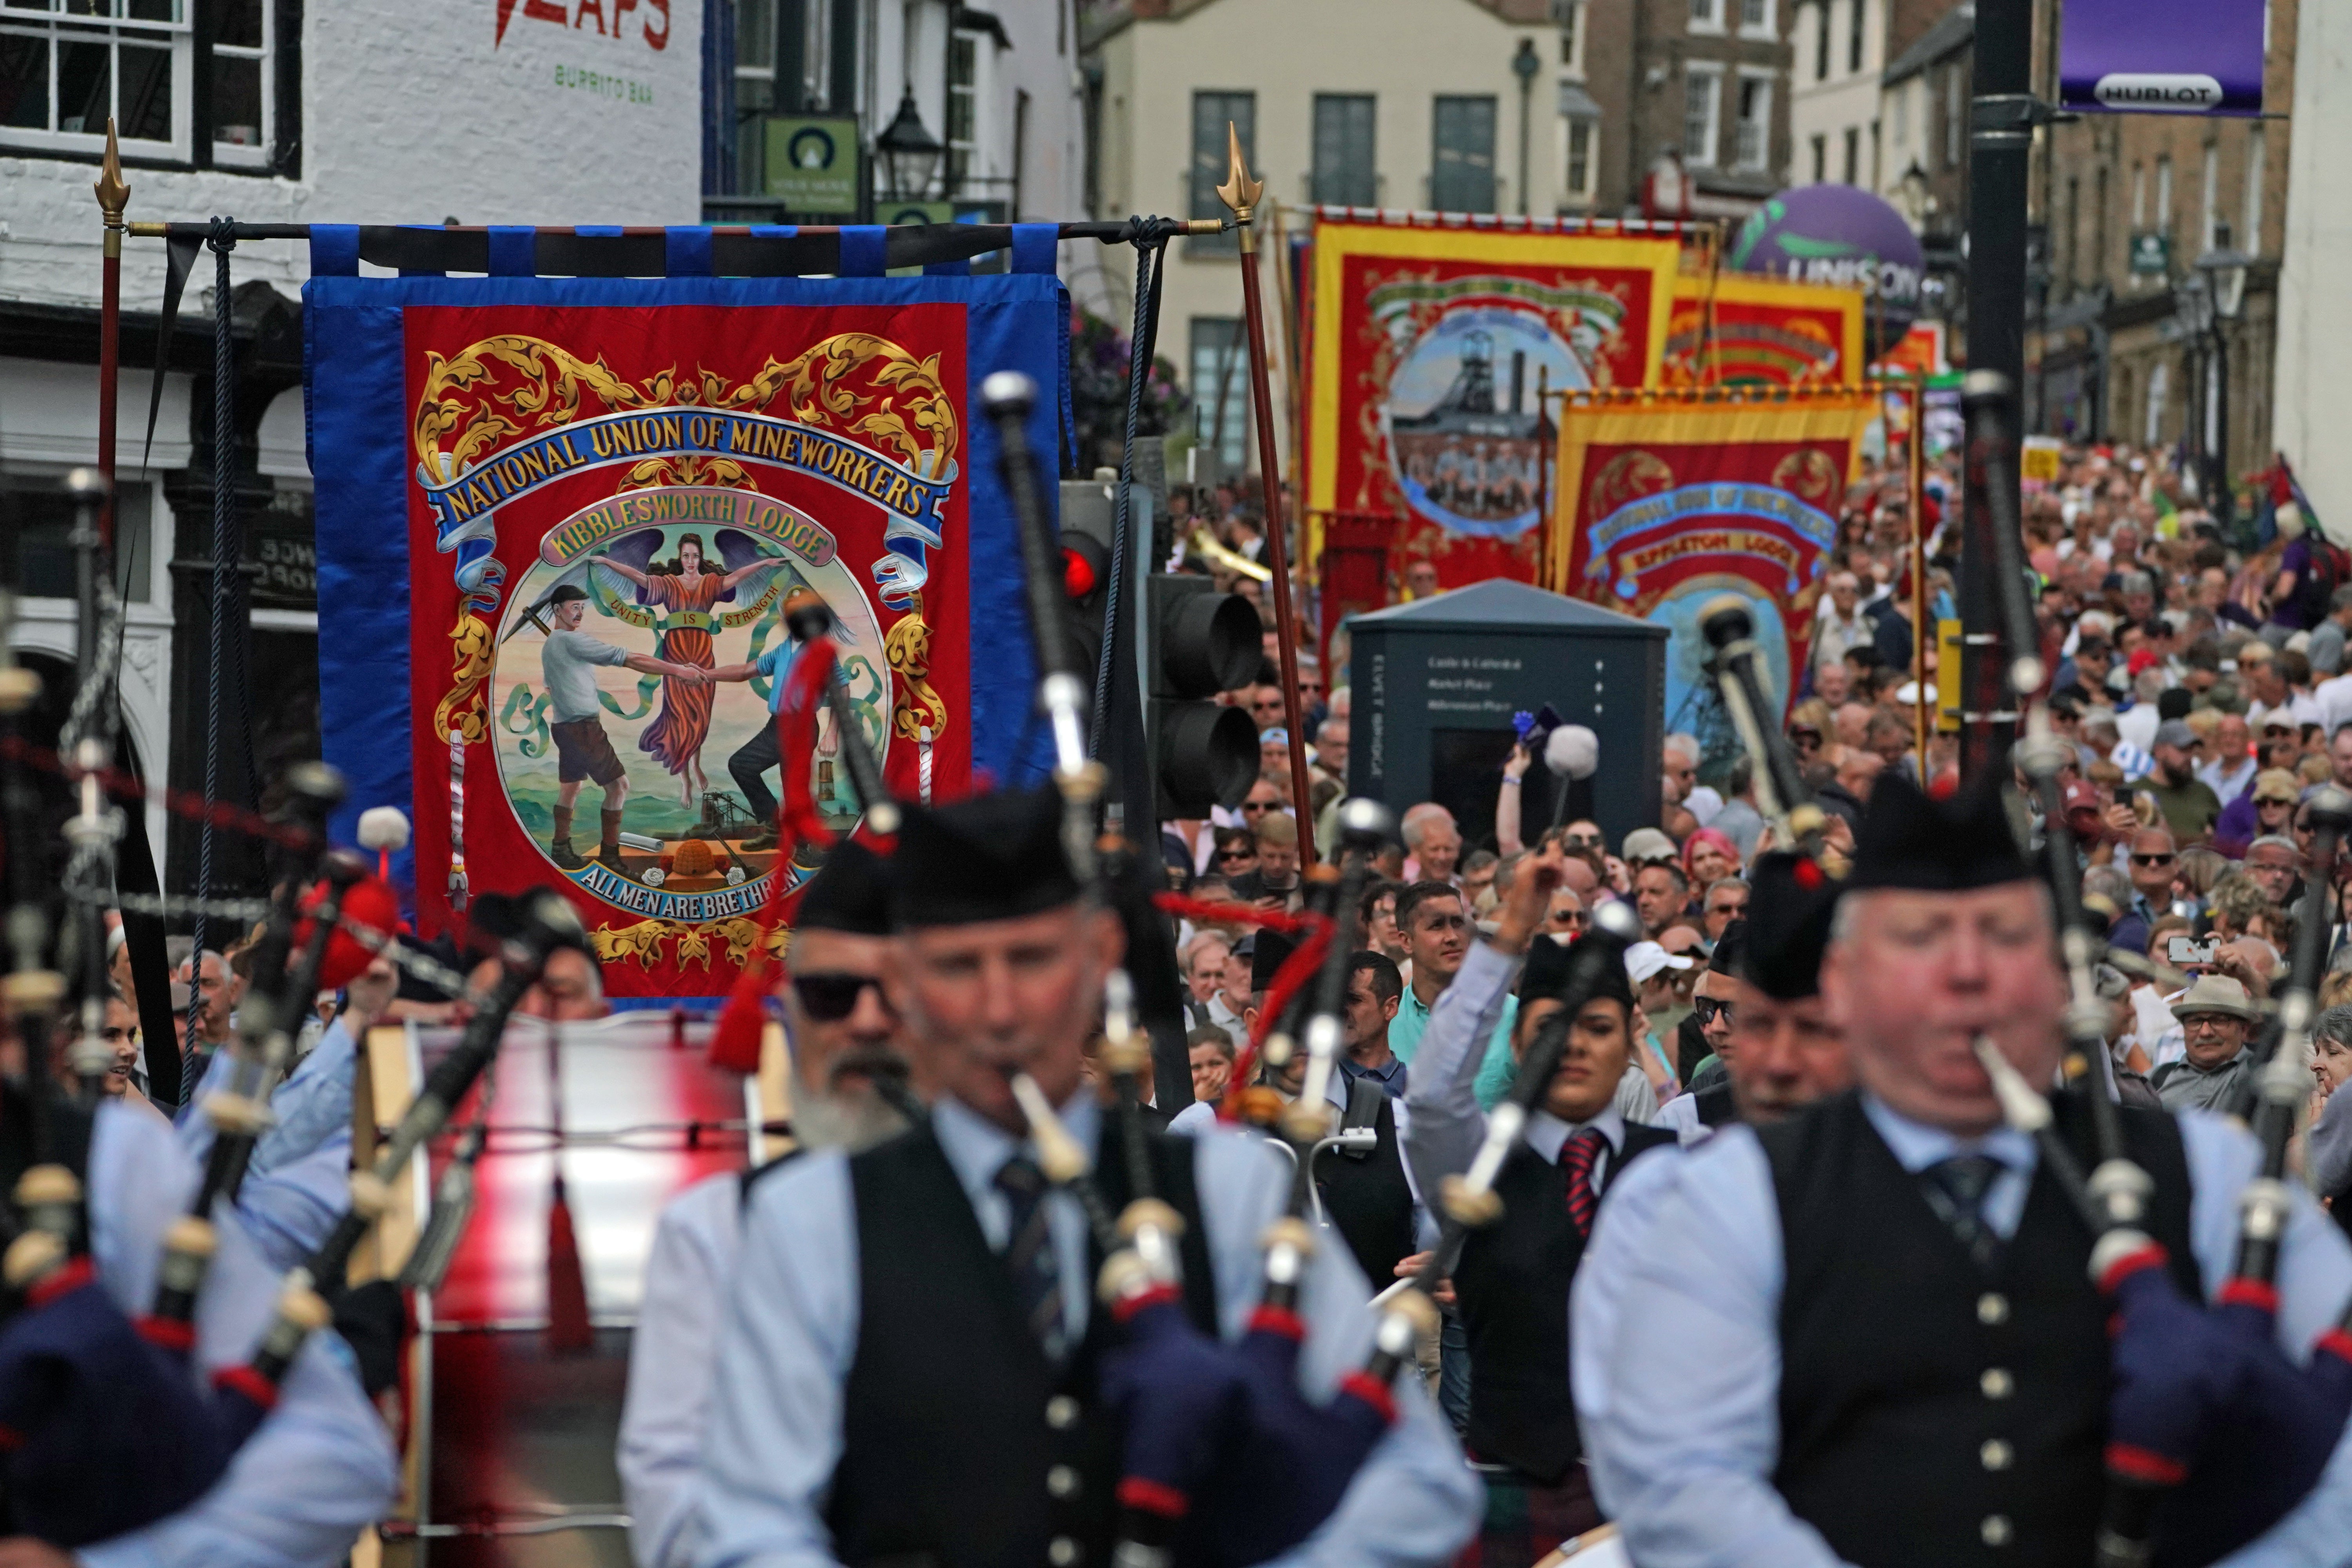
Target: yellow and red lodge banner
[1666, 502]
[1428, 342]
[1765, 333]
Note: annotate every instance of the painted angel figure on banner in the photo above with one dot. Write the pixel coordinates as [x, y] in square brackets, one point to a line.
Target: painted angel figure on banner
[685, 594]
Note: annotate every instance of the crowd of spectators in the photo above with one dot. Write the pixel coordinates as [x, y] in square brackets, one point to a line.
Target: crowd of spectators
[2199, 668]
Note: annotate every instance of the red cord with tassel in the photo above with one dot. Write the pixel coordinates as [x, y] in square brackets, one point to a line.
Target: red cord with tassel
[1295, 972]
[735, 1042]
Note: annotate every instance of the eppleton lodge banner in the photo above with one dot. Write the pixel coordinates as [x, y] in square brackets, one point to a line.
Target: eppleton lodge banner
[560, 523]
[1665, 503]
[1427, 346]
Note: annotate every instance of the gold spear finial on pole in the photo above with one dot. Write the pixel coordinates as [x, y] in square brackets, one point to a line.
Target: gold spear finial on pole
[1239, 192]
[112, 191]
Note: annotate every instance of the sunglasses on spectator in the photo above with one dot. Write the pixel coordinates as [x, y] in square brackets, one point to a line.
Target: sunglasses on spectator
[1236, 854]
[2152, 859]
[830, 998]
[1250, 805]
[1580, 840]
[1707, 1009]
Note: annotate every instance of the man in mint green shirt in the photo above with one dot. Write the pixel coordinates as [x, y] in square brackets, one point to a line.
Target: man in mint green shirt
[1436, 926]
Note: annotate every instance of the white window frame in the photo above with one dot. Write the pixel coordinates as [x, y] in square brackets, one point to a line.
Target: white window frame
[1706, 80]
[1764, 29]
[1901, 114]
[1569, 126]
[1707, 16]
[1572, 20]
[257, 154]
[50, 23]
[2139, 197]
[2164, 193]
[1741, 158]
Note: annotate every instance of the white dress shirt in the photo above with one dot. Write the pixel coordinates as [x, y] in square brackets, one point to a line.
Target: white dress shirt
[321, 1467]
[667, 1406]
[790, 1336]
[1682, 1456]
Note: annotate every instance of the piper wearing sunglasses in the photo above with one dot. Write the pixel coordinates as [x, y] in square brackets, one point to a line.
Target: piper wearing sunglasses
[850, 1084]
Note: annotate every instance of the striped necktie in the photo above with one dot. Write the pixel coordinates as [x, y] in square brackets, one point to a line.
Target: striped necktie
[1956, 1190]
[1577, 1158]
[1029, 1254]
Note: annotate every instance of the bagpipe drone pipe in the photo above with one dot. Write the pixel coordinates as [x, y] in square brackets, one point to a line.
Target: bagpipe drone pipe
[1294, 1459]
[1203, 1421]
[86, 1389]
[547, 922]
[83, 1396]
[2214, 1432]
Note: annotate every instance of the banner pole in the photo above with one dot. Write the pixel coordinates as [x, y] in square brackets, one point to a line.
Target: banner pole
[1918, 489]
[1241, 194]
[113, 196]
[1293, 398]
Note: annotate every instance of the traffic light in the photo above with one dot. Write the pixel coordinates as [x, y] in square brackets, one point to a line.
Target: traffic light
[1198, 642]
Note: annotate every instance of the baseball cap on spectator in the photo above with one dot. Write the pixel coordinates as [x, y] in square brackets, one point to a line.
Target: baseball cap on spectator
[1277, 736]
[1644, 960]
[2174, 702]
[2141, 658]
[2175, 733]
[1645, 845]
[2083, 795]
[2279, 718]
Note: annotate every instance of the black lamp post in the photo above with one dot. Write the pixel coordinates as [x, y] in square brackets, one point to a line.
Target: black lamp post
[2224, 270]
[909, 151]
[1525, 65]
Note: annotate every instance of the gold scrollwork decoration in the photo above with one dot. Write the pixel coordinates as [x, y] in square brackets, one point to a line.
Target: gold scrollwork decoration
[646, 941]
[907, 647]
[464, 707]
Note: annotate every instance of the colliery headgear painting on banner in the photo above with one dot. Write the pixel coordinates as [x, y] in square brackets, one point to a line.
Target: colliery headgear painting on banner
[1429, 347]
[614, 496]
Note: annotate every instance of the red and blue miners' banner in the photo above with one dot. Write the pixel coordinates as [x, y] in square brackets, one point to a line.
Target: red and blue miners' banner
[560, 523]
[1666, 503]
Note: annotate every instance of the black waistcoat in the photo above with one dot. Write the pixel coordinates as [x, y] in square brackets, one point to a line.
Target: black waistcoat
[1512, 1283]
[1932, 1412]
[961, 1446]
[1368, 1199]
[1714, 1105]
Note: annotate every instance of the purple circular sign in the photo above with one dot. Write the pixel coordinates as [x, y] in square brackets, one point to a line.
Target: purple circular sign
[1844, 237]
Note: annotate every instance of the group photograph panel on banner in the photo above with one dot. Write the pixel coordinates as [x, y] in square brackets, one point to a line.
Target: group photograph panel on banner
[1665, 503]
[563, 524]
[1428, 347]
[1734, 330]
